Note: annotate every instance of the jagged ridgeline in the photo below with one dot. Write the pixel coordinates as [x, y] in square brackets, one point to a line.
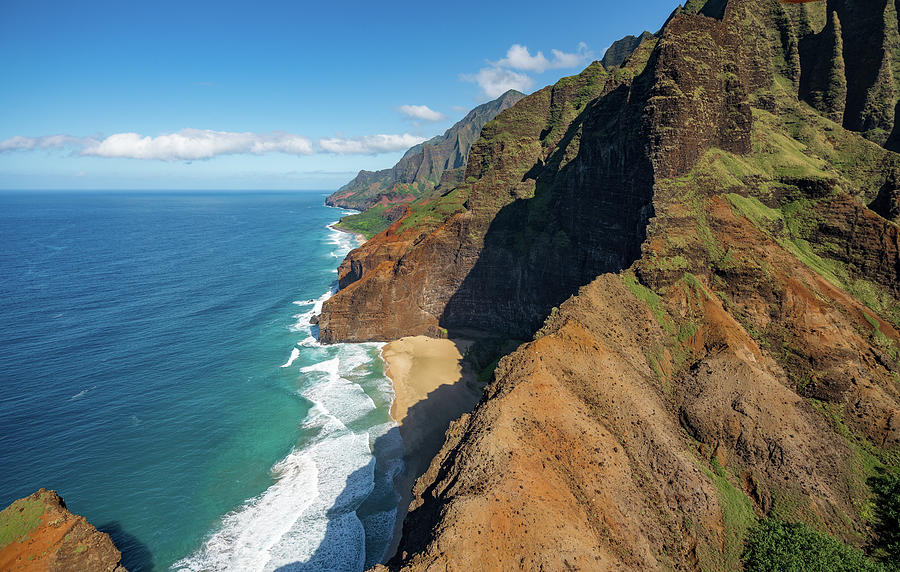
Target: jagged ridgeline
[436, 163]
[700, 246]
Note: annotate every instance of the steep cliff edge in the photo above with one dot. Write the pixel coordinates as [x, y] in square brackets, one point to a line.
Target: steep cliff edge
[713, 305]
[38, 533]
[534, 205]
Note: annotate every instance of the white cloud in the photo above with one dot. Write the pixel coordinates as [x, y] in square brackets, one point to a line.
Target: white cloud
[519, 58]
[19, 143]
[564, 60]
[500, 77]
[495, 81]
[199, 144]
[422, 112]
[370, 144]
[191, 144]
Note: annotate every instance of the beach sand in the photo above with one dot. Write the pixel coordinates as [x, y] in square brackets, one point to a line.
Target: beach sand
[432, 387]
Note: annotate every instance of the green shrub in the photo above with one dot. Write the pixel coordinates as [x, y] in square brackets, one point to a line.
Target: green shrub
[778, 546]
[887, 513]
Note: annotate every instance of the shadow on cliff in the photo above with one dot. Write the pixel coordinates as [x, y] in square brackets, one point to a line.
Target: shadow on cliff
[427, 421]
[588, 216]
[136, 557]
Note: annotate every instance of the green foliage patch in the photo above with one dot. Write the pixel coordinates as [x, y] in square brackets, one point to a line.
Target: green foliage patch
[777, 546]
[19, 519]
[887, 515]
[650, 298]
[428, 213]
[368, 223]
[737, 512]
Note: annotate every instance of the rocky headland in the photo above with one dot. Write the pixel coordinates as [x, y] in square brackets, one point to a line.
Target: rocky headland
[38, 533]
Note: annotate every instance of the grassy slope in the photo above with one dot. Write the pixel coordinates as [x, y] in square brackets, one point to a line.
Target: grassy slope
[798, 143]
[19, 519]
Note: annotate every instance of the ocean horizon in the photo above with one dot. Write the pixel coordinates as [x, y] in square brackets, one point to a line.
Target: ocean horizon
[161, 373]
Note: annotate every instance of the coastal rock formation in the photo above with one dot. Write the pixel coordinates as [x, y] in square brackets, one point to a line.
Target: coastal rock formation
[38, 533]
[700, 246]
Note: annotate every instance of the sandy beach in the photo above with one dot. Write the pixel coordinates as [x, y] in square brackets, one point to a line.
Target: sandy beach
[433, 387]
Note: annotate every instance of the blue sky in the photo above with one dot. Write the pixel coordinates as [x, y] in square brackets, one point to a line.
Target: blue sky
[267, 94]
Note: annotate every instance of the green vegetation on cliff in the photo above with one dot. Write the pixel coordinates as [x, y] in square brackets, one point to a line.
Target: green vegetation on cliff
[19, 519]
[687, 240]
[621, 49]
[776, 546]
[367, 223]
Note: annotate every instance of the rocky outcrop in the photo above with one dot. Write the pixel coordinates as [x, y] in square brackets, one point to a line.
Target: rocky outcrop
[616, 54]
[850, 51]
[512, 226]
[423, 165]
[560, 192]
[712, 309]
[586, 454]
[823, 82]
[38, 533]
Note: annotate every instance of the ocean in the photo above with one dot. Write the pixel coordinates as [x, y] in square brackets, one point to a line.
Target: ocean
[159, 371]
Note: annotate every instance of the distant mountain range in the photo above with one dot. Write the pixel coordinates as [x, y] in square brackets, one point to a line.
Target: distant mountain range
[422, 167]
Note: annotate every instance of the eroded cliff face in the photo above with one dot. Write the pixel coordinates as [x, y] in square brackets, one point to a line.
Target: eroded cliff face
[557, 191]
[40, 534]
[713, 305]
[547, 204]
[587, 453]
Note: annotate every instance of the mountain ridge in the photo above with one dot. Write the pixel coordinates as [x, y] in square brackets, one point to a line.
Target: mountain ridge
[712, 306]
[422, 165]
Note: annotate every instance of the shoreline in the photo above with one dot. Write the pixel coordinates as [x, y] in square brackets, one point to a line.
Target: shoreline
[361, 238]
[433, 386]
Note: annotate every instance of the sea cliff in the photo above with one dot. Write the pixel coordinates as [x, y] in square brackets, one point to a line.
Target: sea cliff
[39, 533]
[697, 245]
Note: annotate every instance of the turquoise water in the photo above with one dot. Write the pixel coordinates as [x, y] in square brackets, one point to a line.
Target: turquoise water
[158, 370]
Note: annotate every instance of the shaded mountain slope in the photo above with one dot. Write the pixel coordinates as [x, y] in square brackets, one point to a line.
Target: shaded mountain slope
[704, 262]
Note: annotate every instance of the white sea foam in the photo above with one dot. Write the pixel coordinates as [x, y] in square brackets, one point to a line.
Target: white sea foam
[303, 318]
[247, 534]
[82, 393]
[307, 519]
[309, 342]
[295, 353]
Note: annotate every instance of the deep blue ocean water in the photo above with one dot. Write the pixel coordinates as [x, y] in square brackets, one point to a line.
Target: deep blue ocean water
[158, 370]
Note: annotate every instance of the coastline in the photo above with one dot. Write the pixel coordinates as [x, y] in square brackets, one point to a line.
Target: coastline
[345, 386]
[361, 238]
[432, 387]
